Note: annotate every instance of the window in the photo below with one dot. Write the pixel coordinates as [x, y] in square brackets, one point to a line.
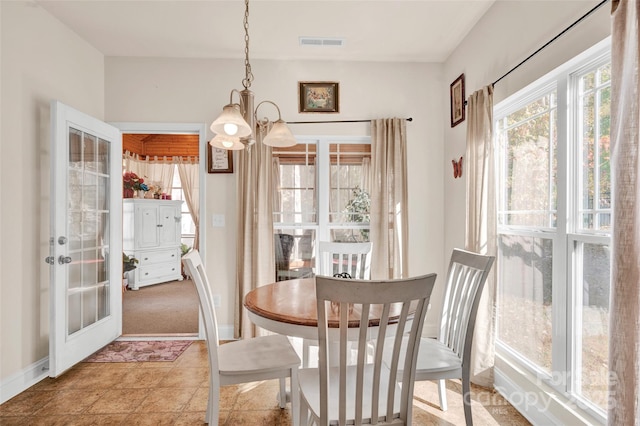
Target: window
[321, 194]
[554, 215]
[188, 226]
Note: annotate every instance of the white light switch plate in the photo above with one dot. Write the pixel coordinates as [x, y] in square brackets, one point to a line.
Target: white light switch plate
[218, 221]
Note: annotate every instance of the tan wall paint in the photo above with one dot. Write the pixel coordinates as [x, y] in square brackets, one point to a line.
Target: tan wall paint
[143, 90]
[41, 60]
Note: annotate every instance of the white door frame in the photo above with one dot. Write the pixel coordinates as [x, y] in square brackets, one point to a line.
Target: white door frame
[180, 128]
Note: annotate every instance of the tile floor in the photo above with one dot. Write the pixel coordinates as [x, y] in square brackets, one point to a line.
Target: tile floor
[175, 393]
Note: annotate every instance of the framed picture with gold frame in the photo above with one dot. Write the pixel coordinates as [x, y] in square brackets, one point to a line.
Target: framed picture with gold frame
[318, 96]
[219, 160]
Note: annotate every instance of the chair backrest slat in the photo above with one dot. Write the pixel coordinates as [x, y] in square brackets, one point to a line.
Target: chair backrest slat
[466, 277]
[352, 258]
[375, 390]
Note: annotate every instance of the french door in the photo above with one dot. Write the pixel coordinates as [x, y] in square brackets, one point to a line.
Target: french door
[86, 241]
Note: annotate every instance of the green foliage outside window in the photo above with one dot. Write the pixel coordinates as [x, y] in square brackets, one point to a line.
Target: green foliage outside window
[358, 209]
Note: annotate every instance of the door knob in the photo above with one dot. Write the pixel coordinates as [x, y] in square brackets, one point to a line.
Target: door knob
[50, 260]
[64, 259]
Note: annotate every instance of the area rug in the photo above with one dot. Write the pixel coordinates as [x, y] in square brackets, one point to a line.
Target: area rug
[140, 351]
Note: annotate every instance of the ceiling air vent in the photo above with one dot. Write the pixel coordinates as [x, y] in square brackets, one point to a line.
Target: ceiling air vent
[321, 41]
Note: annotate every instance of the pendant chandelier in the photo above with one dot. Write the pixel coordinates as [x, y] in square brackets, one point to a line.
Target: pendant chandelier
[235, 126]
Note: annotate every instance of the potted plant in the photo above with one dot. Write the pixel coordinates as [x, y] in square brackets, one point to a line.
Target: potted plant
[128, 264]
[184, 249]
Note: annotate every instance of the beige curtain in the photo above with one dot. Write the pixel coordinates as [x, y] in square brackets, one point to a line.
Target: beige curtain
[389, 199]
[255, 250]
[159, 170]
[277, 199]
[188, 169]
[366, 175]
[624, 328]
[480, 236]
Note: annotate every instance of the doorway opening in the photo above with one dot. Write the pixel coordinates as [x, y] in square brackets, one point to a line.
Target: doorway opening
[161, 304]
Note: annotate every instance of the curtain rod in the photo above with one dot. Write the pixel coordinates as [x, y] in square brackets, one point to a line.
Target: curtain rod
[552, 40]
[335, 121]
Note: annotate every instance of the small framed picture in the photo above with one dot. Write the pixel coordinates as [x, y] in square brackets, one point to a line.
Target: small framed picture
[219, 160]
[318, 96]
[457, 101]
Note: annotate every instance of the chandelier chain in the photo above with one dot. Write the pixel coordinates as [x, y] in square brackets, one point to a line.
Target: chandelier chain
[248, 75]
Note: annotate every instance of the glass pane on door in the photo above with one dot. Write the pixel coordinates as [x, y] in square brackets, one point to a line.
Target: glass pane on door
[88, 226]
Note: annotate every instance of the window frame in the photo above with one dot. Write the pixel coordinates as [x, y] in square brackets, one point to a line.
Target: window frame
[567, 237]
[323, 226]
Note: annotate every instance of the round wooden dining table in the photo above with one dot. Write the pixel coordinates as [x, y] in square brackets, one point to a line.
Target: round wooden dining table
[289, 308]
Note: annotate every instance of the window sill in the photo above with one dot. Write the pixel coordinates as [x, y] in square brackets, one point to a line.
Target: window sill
[538, 402]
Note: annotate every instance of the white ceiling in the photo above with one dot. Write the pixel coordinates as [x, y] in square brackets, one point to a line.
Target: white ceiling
[374, 30]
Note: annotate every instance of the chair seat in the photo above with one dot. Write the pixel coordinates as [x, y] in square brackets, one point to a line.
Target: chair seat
[438, 359]
[309, 380]
[257, 355]
[435, 360]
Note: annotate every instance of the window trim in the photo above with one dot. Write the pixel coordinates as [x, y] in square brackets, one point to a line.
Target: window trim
[566, 235]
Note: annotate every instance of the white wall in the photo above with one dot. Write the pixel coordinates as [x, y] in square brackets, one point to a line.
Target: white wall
[141, 89]
[41, 60]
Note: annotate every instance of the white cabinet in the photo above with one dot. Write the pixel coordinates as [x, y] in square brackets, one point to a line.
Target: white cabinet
[151, 233]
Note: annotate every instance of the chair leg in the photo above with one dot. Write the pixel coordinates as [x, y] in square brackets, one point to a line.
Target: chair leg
[213, 408]
[466, 400]
[442, 394]
[283, 392]
[303, 415]
[295, 397]
[305, 353]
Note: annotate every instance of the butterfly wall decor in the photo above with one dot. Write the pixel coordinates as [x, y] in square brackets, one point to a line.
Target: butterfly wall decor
[457, 168]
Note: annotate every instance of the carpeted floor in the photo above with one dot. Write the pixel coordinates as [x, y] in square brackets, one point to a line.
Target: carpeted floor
[137, 351]
[167, 308]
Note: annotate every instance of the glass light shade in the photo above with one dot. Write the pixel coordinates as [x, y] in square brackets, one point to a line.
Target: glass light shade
[280, 136]
[227, 142]
[231, 122]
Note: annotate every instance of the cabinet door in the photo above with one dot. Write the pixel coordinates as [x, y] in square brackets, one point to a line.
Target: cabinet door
[147, 226]
[169, 224]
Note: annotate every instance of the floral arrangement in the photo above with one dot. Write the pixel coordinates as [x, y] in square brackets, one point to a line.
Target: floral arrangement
[132, 181]
[155, 188]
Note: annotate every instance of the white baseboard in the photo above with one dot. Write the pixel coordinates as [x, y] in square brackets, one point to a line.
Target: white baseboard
[23, 380]
[225, 332]
[534, 414]
[429, 330]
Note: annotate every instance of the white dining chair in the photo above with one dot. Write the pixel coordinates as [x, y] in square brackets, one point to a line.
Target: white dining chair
[242, 361]
[449, 356]
[368, 391]
[352, 258]
[338, 258]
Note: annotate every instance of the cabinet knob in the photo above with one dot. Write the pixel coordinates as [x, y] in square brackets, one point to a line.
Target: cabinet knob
[146, 273]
